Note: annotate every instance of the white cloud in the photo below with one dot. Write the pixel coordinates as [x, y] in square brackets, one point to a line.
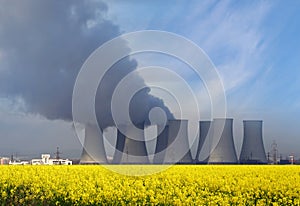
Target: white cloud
[233, 39]
[230, 33]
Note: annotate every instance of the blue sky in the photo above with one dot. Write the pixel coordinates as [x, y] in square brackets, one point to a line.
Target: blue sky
[255, 46]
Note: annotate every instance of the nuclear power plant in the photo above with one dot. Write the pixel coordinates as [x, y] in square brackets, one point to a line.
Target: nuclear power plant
[161, 144]
[215, 144]
[253, 150]
[222, 144]
[178, 148]
[93, 148]
[205, 129]
[130, 147]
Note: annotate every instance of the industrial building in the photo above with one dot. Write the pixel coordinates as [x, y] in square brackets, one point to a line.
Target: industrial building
[222, 144]
[205, 133]
[46, 160]
[131, 146]
[4, 160]
[161, 144]
[253, 150]
[215, 145]
[93, 148]
[178, 148]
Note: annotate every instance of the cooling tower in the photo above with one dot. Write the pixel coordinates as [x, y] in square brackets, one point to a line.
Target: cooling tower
[130, 147]
[161, 144]
[253, 150]
[93, 151]
[178, 149]
[223, 149]
[119, 147]
[205, 128]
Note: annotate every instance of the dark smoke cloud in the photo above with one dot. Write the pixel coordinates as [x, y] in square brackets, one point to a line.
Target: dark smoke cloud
[140, 104]
[42, 47]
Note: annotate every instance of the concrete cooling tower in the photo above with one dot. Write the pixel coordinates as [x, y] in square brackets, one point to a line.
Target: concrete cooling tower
[253, 150]
[119, 148]
[161, 144]
[93, 149]
[130, 147]
[178, 149]
[223, 149]
[205, 134]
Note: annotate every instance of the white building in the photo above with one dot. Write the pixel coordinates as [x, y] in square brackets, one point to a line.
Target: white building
[18, 162]
[4, 160]
[46, 160]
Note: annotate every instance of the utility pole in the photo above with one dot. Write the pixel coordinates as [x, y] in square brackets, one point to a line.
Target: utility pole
[57, 153]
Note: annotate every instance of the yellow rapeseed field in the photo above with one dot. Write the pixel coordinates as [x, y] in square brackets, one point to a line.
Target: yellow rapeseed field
[178, 185]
